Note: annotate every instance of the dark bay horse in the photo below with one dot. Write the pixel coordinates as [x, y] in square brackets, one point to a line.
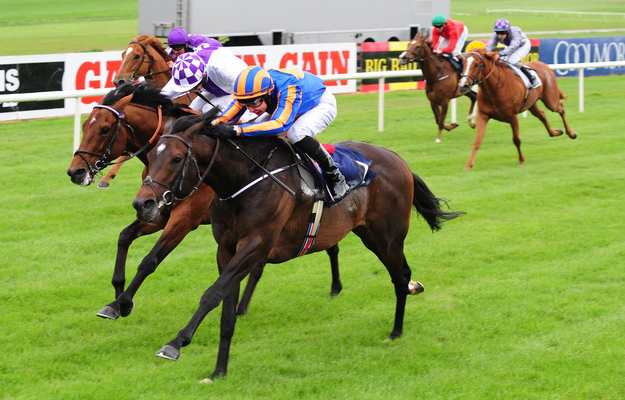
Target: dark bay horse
[441, 81]
[267, 224]
[503, 95]
[127, 121]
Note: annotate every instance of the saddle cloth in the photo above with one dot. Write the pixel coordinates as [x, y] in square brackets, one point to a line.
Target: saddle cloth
[352, 164]
[524, 77]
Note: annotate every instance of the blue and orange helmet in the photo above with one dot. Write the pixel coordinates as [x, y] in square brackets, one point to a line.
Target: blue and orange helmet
[252, 82]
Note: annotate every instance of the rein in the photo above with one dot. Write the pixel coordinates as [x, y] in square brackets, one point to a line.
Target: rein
[416, 58]
[169, 196]
[103, 162]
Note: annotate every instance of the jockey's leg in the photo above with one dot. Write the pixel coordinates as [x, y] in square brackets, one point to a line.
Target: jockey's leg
[331, 173]
[302, 135]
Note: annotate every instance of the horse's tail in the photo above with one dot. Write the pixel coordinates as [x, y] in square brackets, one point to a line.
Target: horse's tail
[429, 206]
[562, 96]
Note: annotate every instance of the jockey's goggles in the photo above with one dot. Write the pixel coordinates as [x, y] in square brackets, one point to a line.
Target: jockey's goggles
[177, 47]
[254, 102]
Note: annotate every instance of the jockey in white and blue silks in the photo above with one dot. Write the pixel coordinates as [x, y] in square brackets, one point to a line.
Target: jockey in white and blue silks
[210, 72]
[517, 47]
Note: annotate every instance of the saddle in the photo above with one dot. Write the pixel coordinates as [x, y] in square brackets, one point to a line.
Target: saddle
[353, 165]
[455, 63]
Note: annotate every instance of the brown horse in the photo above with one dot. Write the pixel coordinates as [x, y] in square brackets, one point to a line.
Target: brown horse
[503, 95]
[127, 122]
[266, 223]
[441, 81]
[145, 58]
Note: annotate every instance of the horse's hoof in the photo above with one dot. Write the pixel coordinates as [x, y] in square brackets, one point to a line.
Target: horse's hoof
[454, 126]
[573, 135]
[206, 381]
[103, 185]
[335, 291]
[437, 140]
[169, 352]
[108, 312]
[415, 287]
[124, 312]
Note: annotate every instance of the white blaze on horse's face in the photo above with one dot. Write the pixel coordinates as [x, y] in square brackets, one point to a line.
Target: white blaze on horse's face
[128, 51]
[465, 73]
[92, 121]
[160, 148]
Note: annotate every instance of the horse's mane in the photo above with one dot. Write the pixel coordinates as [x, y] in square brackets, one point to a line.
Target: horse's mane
[147, 94]
[152, 41]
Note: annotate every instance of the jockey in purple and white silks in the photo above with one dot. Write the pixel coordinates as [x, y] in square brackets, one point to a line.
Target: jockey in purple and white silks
[210, 72]
[179, 43]
[517, 47]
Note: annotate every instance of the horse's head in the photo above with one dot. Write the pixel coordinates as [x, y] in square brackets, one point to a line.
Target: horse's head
[475, 67]
[418, 50]
[177, 165]
[144, 57]
[104, 137]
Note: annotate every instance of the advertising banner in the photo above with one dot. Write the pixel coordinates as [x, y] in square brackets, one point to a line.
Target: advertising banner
[385, 57]
[584, 50]
[96, 70]
[27, 75]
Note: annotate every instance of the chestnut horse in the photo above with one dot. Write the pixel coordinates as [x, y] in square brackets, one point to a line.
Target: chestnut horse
[441, 81]
[146, 58]
[503, 95]
[127, 121]
[267, 224]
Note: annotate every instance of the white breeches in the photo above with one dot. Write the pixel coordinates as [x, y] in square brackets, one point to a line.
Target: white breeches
[315, 120]
[516, 57]
[442, 42]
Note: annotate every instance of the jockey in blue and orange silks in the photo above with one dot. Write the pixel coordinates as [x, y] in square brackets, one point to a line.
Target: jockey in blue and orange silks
[297, 103]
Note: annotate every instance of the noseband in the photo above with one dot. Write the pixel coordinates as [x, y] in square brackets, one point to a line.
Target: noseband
[134, 76]
[476, 81]
[103, 161]
[169, 196]
[418, 54]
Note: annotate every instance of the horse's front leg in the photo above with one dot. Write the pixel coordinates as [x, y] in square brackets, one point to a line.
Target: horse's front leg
[178, 227]
[482, 121]
[252, 281]
[440, 119]
[471, 116]
[112, 173]
[126, 237]
[248, 255]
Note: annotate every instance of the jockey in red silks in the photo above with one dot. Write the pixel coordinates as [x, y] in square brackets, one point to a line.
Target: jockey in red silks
[448, 35]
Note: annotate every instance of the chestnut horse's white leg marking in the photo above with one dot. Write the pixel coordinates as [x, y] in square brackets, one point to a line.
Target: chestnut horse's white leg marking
[415, 287]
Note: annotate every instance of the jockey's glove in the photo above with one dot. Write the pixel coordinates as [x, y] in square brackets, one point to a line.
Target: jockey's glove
[224, 131]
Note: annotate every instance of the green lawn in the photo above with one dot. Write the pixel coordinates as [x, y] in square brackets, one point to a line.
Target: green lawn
[523, 294]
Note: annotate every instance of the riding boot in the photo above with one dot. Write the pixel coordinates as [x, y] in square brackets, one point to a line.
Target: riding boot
[333, 177]
[530, 75]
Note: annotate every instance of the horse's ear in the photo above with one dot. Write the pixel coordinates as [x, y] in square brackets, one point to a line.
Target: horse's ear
[123, 102]
[168, 124]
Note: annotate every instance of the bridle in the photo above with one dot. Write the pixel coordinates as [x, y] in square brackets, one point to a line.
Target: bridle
[475, 81]
[103, 159]
[169, 196]
[418, 54]
[134, 76]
